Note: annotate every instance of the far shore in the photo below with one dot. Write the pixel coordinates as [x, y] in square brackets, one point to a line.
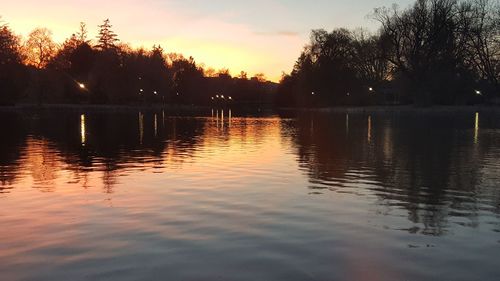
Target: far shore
[451, 109]
[196, 108]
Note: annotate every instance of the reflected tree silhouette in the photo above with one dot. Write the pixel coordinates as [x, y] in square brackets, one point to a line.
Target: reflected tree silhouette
[111, 142]
[428, 168]
[420, 162]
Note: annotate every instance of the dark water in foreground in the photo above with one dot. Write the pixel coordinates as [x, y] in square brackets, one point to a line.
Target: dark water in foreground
[148, 196]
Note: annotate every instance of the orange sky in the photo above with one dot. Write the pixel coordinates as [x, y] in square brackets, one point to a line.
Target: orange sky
[258, 36]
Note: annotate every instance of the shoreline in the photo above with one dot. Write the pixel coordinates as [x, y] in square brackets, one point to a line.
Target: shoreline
[197, 108]
[405, 109]
[98, 107]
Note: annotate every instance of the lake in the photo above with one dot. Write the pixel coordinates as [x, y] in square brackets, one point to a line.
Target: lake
[228, 195]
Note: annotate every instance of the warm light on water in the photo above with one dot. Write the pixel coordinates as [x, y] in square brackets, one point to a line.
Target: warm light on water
[125, 196]
[82, 129]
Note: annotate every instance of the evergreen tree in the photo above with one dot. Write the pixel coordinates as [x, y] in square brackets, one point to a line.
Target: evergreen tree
[107, 39]
[82, 34]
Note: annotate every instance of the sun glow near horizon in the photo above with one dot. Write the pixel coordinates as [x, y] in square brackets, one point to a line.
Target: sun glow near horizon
[258, 37]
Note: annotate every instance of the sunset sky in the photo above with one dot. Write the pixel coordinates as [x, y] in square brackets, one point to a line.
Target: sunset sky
[256, 36]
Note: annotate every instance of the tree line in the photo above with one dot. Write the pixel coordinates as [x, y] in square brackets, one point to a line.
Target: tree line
[38, 70]
[434, 52]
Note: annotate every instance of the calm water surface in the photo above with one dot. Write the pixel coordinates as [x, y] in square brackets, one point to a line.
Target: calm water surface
[228, 196]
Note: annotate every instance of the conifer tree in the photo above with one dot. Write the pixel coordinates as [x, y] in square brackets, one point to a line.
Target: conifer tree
[82, 34]
[107, 39]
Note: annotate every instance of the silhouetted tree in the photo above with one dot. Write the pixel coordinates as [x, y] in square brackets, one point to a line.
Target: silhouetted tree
[106, 39]
[40, 48]
[326, 73]
[243, 75]
[480, 22]
[224, 74]
[434, 52]
[82, 60]
[148, 75]
[61, 60]
[261, 77]
[115, 73]
[9, 46]
[187, 79]
[11, 70]
[369, 59]
[210, 72]
[82, 34]
[426, 47]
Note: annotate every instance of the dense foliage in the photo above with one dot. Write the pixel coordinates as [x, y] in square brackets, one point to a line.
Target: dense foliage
[434, 52]
[109, 72]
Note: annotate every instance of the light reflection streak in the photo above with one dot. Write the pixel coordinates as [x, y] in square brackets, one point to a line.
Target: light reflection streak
[141, 127]
[347, 123]
[156, 125]
[369, 129]
[217, 118]
[476, 128]
[222, 118]
[82, 130]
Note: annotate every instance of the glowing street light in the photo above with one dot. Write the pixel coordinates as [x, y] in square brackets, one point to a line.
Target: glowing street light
[217, 96]
[478, 93]
[81, 85]
[222, 96]
[155, 92]
[313, 93]
[230, 98]
[370, 89]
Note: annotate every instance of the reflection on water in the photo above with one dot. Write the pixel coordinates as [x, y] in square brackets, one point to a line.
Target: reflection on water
[424, 165]
[156, 125]
[476, 128]
[347, 124]
[141, 127]
[82, 129]
[309, 196]
[369, 129]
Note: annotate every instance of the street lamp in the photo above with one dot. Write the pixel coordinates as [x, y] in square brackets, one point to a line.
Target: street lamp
[81, 85]
[478, 93]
